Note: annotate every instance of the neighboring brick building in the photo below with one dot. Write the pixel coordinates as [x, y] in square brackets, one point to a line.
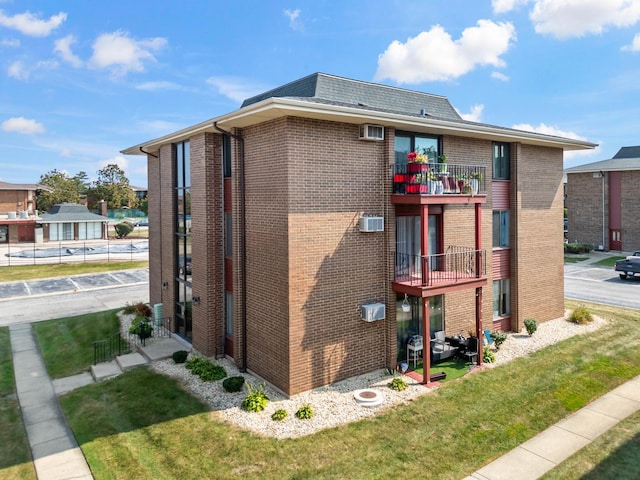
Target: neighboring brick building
[603, 202]
[268, 204]
[17, 212]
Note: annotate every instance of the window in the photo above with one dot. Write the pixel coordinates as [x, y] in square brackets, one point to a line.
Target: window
[406, 143]
[226, 155]
[182, 243]
[228, 234]
[501, 158]
[501, 298]
[228, 314]
[500, 228]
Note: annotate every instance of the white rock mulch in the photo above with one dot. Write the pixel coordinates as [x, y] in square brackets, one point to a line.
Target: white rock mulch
[335, 404]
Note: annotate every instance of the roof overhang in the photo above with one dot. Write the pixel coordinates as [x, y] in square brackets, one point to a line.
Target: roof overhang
[277, 107]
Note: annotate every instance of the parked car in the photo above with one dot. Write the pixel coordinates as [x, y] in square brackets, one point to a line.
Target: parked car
[141, 223]
[629, 266]
[184, 266]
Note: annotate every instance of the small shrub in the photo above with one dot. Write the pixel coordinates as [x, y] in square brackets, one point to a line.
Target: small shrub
[123, 229]
[141, 326]
[205, 369]
[233, 384]
[531, 324]
[498, 338]
[139, 309]
[305, 412]
[279, 415]
[488, 356]
[397, 384]
[180, 356]
[578, 247]
[581, 315]
[257, 399]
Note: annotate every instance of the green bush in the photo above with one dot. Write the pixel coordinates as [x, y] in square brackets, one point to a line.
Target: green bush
[180, 356]
[205, 369]
[578, 247]
[279, 415]
[257, 399]
[397, 384]
[488, 356]
[498, 338]
[531, 324]
[233, 384]
[141, 326]
[139, 309]
[123, 229]
[581, 315]
[305, 412]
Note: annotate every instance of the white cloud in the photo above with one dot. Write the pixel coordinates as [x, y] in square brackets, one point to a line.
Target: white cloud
[575, 18]
[17, 70]
[161, 85]
[294, 19]
[433, 55]
[63, 48]
[13, 43]
[22, 125]
[634, 46]
[234, 88]
[160, 126]
[500, 76]
[119, 160]
[475, 115]
[547, 130]
[29, 24]
[121, 54]
[504, 6]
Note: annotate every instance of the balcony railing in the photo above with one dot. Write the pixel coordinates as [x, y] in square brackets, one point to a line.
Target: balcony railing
[458, 264]
[439, 179]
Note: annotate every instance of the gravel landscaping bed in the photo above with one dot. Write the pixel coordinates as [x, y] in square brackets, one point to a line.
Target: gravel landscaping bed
[335, 404]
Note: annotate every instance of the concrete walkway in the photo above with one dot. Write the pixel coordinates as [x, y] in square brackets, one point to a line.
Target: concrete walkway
[551, 447]
[56, 454]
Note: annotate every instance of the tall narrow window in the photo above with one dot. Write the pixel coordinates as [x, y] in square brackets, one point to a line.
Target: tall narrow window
[501, 298]
[183, 258]
[501, 158]
[500, 228]
[226, 155]
[228, 234]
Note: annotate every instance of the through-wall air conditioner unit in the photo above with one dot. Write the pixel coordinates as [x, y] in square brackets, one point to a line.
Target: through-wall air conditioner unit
[372, 311]
[371, 132]
[371, 224]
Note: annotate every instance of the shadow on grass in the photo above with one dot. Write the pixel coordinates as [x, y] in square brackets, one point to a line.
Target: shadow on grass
[454, 368]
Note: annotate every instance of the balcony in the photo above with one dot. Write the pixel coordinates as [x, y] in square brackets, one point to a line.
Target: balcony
[438, 179]
[457, 269]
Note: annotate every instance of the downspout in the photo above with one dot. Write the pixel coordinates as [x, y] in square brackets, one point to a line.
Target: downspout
[148, 153]
[243, 243]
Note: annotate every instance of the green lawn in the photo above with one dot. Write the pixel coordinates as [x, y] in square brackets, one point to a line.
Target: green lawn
[29, 272]
[142, 425]
[608, 262]
[454, 368]
[15, 456]
[67, 344]
[574, 259]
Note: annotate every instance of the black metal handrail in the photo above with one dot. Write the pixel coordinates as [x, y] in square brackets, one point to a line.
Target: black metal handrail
[439, 178]
[105, 350]
[458, 264]
[160, 329]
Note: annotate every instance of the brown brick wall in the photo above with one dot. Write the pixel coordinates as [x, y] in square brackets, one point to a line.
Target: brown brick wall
[155, 223]
[630, 234]
[16, 200]
[537, 281]
[584, 209]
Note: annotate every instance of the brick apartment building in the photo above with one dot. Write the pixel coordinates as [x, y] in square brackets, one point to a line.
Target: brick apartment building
[602, 202]
[17, 212]
[294, 236]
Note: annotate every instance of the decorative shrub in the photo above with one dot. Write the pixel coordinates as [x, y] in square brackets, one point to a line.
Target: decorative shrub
[398, 384]
[139, 309]
[578, 247]
[498, 338]
[305, 412]
[180, 356]
[141, 326]
[488, 356]
[279, 415]
[257, 399]
[123, 229]
[531, 324]
[205, 369]
[581, 315]
[233, 384]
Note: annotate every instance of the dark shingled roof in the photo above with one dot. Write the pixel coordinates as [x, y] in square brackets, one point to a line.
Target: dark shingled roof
[628, 152]
[323, 88]
[71, 212]
[627, 158]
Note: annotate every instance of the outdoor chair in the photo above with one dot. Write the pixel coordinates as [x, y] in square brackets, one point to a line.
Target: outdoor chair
[441, 349]
[471, 352]
[487, 339]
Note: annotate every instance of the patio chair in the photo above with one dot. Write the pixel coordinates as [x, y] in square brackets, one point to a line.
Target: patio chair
[441, 349]
[471, 353]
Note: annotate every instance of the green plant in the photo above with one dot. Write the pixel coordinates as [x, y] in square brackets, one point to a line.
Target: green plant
[498, 338]
[233, 384]
[205, 369]
[141, 326]
[398, 384]
[139, 309]
[531, 324]
[488, 356]
[123, 229]
[257, 399]
[578, 247]
[180, 356]
[581, 315]
[476, 175]
[279, 415]
[305, 412]
[442, 159]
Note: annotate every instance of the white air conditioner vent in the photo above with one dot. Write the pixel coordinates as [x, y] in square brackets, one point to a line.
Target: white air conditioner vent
[372, 312]
[371, 224]
[371, 132]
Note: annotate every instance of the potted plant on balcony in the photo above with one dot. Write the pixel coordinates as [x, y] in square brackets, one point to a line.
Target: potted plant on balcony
[442, 161]
[474, 181]
[417, 162]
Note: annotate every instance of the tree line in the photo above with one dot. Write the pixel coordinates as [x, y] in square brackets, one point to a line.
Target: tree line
[111, 185]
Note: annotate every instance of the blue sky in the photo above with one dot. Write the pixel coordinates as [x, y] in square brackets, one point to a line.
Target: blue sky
[82, 80]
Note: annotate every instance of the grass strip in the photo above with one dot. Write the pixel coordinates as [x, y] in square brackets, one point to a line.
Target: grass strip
[608, 262]
[30, 272]
[66, 344]
[128, 428]
[15, 455]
